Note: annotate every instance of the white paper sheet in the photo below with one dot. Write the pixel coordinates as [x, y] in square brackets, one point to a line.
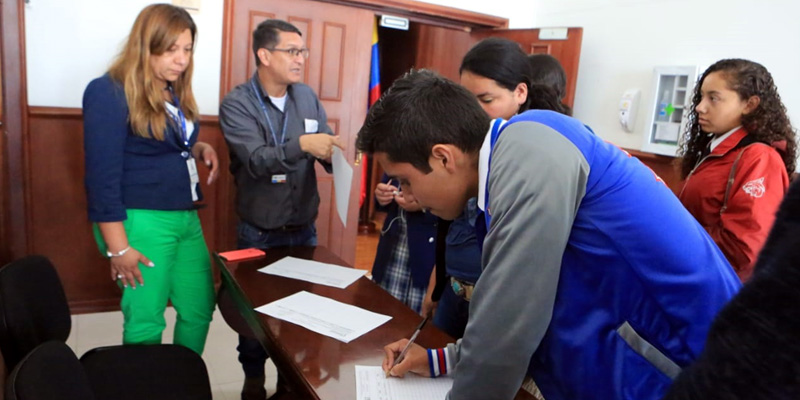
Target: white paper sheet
[372, 384]
[667, 131]
[342, 179]
[313, 271]
[325, 316]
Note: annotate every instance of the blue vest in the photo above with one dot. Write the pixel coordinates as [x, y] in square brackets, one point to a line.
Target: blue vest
[612, 303]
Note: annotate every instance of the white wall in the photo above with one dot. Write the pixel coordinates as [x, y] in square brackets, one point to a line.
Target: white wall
[69, 43]
[624, 39]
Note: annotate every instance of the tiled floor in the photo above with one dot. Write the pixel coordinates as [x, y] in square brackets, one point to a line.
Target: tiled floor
[224, 371]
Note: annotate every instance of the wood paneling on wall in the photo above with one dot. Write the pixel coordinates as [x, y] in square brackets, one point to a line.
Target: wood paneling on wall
[59, 226]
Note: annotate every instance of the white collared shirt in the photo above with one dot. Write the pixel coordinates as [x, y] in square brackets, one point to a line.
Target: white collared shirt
[483, 163]
[189, 124]
[719, 139]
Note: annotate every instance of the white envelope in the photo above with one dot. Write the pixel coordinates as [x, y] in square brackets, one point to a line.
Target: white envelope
[312, 126]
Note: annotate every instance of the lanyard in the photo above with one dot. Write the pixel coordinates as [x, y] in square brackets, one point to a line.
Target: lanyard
[266, 114]
[180, 119]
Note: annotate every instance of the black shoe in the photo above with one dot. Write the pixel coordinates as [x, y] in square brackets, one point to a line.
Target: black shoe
[253, 388]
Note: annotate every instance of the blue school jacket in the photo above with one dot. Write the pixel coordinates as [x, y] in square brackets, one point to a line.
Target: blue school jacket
[596, 281]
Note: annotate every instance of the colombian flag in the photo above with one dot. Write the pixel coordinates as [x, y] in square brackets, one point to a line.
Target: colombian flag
[374, 95]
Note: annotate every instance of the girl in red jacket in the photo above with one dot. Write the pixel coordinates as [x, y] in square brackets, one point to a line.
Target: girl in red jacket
[737, 156]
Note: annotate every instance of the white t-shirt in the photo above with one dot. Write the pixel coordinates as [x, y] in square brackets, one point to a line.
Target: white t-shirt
[719, 139]
[279, 102]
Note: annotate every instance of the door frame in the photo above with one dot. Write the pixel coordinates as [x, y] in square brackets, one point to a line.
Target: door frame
[14, 235]
[425, 13]
[413, 10]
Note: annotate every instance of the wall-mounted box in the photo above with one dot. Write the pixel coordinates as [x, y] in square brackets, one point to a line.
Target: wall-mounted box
[671, 98]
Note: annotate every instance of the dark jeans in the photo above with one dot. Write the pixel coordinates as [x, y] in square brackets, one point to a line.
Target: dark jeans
[251, 355]
[452, 313]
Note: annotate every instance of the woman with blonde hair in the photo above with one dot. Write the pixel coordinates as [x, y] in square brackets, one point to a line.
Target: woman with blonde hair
[140, 142]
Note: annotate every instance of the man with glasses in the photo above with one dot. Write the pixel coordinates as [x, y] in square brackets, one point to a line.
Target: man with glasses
[276, 129]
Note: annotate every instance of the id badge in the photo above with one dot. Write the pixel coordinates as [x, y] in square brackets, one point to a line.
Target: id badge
[194, 178]
[279, 178]
[311, 125]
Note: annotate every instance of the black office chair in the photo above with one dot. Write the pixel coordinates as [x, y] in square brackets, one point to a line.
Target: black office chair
[161, 380]
[49, 372]
[33, 310]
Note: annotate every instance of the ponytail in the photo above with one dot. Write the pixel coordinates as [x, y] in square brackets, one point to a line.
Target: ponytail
[543, 97]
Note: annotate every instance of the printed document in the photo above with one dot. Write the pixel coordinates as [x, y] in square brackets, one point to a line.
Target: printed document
[331, 318]
[372, 384]
[313, 271]
[342, 179]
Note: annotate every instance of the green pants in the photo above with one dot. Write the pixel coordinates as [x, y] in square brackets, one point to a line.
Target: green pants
[173, 241]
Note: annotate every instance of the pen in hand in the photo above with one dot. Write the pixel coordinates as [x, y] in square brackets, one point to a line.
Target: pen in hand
[408, 345]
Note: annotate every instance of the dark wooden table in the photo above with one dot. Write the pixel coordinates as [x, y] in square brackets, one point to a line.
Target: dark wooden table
[315, 366]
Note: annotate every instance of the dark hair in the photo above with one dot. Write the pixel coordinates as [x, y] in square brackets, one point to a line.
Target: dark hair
[768, 123]
[504, 62]
[266, 34]
[547, 70]
[422, 109]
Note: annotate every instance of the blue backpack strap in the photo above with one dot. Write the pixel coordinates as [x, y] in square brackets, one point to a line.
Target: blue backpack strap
[483, 221]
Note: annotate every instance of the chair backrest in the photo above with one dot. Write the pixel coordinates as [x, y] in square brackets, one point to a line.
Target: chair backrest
[152, 372]
[33, 307]
[49, 372]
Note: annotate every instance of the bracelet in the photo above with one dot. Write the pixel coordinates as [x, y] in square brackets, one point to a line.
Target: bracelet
[438, 362]
[118, 254]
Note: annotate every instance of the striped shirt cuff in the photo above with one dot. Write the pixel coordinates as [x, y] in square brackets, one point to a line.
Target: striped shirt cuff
[439, 362]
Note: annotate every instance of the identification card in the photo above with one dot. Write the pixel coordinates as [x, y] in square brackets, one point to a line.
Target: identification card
[194, 178]
[280, 178]
[311, 125]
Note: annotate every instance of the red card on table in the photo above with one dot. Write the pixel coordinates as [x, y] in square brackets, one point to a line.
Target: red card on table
[241, 255]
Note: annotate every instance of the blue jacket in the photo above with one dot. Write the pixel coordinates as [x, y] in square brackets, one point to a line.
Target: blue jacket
[596, 281]
[421, 244]
[128, 171]
[463, 254]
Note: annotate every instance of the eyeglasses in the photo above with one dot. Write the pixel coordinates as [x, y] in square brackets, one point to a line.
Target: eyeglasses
[293, 52]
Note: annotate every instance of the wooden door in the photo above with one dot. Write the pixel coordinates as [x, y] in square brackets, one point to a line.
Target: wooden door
[339, 40]
[442, 49]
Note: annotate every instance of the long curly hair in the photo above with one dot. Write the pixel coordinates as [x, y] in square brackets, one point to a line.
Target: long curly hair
[768, 123]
